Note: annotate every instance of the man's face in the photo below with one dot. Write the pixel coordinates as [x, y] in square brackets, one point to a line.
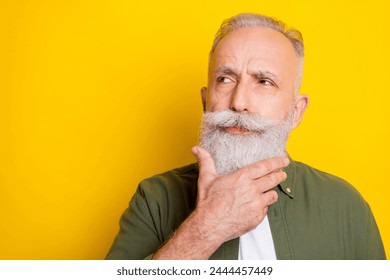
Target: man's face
[250, 105]
[253, 70]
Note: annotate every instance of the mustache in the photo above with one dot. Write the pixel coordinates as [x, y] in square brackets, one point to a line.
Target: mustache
[228, 118]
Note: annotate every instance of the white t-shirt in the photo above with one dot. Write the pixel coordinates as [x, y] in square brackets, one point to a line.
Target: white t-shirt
[257, 244]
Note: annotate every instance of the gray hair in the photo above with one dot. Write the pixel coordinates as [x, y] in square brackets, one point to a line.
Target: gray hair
[253, 20]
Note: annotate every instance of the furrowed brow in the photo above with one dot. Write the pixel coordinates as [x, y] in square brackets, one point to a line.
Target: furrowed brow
[265, 74]
[225, 70]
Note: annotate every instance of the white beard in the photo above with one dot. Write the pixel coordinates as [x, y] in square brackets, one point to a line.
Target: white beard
[230, 152]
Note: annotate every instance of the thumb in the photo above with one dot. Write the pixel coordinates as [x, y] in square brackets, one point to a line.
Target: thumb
[205, 161]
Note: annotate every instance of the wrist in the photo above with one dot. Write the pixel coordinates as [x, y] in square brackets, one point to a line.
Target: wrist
[206, 229]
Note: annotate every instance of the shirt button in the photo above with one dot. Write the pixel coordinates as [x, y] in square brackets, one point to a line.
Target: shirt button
[288, 190]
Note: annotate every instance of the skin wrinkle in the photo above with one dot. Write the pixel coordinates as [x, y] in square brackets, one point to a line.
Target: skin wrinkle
[298, 68]
[259, 74]
[249, 21]
[276, 56]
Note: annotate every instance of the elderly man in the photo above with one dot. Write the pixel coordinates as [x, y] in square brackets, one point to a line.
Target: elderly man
[245, 199]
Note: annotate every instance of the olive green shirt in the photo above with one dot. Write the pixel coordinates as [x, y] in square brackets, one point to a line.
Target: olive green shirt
[317, 216]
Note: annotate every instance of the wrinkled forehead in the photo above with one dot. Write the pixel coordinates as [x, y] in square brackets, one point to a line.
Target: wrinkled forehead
[258, 49]
[254, 43]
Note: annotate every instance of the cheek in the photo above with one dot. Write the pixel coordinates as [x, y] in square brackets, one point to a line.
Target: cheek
[273, 108]
[216, 102]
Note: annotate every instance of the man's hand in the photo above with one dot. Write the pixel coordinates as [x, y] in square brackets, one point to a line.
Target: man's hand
[227, 206]
[233, 204]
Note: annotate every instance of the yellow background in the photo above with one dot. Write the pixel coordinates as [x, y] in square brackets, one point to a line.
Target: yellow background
[96, 95]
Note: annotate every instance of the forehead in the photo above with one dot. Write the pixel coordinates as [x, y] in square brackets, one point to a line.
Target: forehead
[250, 48]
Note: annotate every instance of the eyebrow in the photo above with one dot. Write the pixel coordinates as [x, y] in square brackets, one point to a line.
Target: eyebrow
[226, 70]
[257, 74]
[265, 74]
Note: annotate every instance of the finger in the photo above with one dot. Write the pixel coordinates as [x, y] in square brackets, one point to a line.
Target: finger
[266, 200]
[269, 181]
[269, 197]
[205, 161]
[267, 166]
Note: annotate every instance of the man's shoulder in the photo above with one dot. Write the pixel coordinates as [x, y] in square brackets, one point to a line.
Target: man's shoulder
[178, 181]
[308, 172]
[313, 180]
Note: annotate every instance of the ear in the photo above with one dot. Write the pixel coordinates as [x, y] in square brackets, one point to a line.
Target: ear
[302, 102]
[203, 93]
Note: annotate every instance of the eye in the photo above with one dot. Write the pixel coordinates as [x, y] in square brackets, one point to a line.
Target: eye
[266, 82]
[224, 80]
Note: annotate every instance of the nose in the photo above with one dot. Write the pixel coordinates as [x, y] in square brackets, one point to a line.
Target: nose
[240, 98]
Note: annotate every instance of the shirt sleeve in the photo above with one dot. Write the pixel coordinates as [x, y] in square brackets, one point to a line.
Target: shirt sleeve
[374, 245]
[137, 238]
